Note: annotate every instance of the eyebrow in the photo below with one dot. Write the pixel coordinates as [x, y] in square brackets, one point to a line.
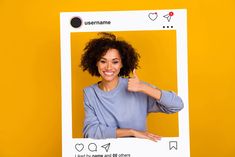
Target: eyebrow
[112, 59]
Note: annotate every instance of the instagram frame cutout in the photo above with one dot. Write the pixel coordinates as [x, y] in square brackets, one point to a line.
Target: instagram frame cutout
[175, 19]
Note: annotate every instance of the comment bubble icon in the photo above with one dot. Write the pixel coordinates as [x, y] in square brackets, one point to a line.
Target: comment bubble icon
[92, 147]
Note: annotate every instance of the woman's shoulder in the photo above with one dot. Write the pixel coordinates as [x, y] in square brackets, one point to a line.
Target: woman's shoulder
[90, 88]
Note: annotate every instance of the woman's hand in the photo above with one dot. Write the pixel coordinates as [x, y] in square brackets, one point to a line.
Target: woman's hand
[134, 84]
[146, 135]
[137, 134]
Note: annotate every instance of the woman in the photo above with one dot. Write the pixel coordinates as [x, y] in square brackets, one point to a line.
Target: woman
[117, 106]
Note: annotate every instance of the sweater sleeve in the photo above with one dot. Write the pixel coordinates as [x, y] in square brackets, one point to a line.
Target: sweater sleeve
[92, 126]
[168, 103]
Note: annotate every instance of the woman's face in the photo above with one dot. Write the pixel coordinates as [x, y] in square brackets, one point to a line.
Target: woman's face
[109, 65]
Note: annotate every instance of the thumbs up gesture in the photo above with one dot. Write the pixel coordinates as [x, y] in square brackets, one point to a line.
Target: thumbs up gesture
[134, 84]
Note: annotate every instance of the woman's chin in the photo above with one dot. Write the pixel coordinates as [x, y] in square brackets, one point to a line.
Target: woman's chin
[109, 78]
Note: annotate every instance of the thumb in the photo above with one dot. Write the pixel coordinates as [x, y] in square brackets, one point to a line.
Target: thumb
[135, 74]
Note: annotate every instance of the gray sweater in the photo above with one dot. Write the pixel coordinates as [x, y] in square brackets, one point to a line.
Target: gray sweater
[120, 108]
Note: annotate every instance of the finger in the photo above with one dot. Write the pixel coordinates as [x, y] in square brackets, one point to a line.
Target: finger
[152, 138]
[134, 73]
[146, 135]
[156, 137]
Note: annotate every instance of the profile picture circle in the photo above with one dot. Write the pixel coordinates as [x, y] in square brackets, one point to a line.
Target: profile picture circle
[76, 22]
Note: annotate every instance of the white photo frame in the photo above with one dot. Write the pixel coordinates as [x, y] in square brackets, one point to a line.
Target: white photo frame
[174, 19]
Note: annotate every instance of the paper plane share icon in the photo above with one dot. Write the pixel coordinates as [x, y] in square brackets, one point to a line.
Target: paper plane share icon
[106, 147]
[168, 16]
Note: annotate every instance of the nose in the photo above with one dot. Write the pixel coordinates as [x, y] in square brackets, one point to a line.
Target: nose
[109, 66]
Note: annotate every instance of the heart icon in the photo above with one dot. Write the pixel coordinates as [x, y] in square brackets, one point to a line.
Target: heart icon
[153, 16]
[79, 147]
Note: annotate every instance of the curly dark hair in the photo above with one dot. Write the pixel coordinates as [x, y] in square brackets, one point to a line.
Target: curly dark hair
[98, 47]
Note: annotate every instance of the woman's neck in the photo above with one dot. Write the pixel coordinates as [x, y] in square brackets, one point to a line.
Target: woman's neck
[108, 85]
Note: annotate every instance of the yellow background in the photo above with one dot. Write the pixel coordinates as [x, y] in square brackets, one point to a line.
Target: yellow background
[30, 120]
[157, 66]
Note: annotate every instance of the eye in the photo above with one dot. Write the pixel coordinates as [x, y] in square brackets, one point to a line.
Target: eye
[115, 61]
[102, 61]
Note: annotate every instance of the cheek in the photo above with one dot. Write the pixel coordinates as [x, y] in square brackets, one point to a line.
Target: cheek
[100, 66]
[99, 69]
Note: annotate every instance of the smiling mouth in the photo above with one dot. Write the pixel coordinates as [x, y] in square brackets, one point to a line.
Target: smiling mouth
[108, 73]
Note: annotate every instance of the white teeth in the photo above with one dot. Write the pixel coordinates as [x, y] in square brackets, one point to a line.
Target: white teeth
[108, 73]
